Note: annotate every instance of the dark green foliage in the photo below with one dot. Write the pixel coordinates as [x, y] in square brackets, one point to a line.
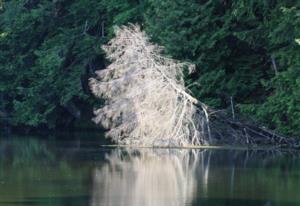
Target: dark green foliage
[243, 49]
[208, 33]
[233, 44]
[280, 107]
[47, 48]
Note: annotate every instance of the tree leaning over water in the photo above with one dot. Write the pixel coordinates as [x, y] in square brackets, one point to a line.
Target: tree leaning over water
[147, 102]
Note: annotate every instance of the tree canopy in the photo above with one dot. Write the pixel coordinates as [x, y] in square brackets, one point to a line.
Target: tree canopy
[246, 51]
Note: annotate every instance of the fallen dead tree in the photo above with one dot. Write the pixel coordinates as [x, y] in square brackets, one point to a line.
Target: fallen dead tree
[147, 103]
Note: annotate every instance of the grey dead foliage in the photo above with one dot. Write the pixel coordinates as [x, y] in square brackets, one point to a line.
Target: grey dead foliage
[146, 102]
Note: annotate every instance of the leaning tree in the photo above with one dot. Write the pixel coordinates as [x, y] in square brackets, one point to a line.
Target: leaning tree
[146, 99]
[147, 103]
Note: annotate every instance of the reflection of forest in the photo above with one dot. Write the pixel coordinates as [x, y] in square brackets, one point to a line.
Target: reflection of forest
[46, 172]
[79, 172]
[18, 150]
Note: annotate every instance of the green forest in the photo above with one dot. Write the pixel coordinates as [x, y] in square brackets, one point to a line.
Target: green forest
[245, 51]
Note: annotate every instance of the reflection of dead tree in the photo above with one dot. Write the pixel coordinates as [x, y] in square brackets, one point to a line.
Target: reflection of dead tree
[147, 103]
[146, 177]
[173, 176]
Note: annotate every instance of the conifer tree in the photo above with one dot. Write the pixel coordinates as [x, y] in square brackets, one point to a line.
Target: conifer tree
[146, 100]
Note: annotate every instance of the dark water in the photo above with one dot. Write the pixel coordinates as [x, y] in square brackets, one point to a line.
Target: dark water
[35, 171]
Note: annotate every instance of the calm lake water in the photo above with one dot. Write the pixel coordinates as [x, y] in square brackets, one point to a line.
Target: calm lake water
[61, 171]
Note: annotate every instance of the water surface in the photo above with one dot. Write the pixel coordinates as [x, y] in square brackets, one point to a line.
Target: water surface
[78, 171]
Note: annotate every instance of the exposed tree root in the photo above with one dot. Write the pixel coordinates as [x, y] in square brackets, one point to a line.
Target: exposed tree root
[230, 132]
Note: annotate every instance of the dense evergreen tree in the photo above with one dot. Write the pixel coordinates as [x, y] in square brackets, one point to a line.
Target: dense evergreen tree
[280, 26]
[46, 49]
[206, 32]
